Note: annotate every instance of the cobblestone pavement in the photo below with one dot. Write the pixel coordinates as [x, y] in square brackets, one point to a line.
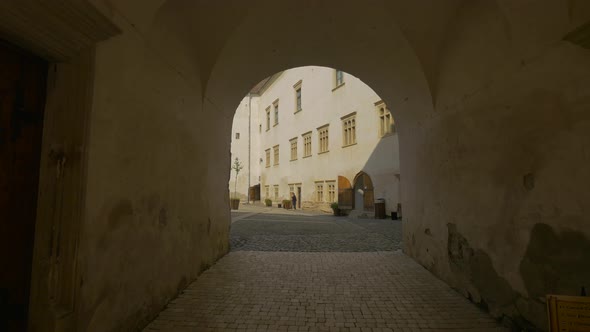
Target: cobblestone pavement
[320, 291]
[297, 271]
[284, 232]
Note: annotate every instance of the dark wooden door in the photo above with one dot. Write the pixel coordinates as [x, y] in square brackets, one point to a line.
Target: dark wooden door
[345, 194]
[22, 101]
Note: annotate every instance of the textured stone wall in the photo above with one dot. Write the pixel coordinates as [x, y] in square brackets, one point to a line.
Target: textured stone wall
[155, 215]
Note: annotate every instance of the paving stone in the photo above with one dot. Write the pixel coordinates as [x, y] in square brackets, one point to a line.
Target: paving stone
[320, 233]
[292, 271]
[320, 291]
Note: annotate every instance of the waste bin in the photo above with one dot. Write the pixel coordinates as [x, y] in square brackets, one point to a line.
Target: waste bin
[380, 209]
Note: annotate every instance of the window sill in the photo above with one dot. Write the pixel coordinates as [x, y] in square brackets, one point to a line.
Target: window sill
[293, 159]
[274, 125]
[306, 156]
[299, 111]
[345, 146]
[324, 152]
[338, 86]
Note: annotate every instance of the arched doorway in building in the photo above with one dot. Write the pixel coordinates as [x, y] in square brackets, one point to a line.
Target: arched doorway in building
[345, 193]
[363, 198]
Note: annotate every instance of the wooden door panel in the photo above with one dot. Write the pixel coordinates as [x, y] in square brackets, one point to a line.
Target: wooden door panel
[369, 200]
[22, 101]
[345, 193]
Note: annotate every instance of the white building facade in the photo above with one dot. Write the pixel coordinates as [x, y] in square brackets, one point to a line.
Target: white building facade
[321, 134]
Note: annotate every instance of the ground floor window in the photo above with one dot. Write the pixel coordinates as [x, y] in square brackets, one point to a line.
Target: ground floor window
[331, 191]
[276, 188]
[319, 190]
[267, 191]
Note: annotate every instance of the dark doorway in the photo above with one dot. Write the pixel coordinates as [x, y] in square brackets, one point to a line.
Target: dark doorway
[22, 102]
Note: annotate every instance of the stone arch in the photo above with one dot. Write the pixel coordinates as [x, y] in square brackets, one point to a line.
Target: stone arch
[341, 37]
[394, 71]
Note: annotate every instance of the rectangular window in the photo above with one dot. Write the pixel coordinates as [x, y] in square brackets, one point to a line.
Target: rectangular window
[276, 108]
[237, 135]
[307, 144]
[267, 191]
[386, 126]
[319, 191]
[291, 189]
[293, 142]
[275, 150]
[267, 157]
[323, 139]
[349, 129]
[331, 191]
[276, 188]
[298, 105]
[339, 77]
[268, 118]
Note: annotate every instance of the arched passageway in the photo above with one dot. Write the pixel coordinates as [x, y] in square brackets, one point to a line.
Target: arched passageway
[493, 140]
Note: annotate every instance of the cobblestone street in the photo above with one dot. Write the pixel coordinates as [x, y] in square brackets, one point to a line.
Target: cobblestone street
[291, 271]
[305, 233]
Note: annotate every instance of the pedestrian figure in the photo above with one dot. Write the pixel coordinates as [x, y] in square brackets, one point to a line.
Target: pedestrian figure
[294, 201]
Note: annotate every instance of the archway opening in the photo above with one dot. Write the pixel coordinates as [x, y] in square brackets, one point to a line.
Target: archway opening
[299, 139]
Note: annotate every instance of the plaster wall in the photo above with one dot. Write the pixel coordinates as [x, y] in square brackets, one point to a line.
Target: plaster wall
[493, 149]
[245, 147]
[149, 227]
[492, 124]
[322, 104]
[509, 144]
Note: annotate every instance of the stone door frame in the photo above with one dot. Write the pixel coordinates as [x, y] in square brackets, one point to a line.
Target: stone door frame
[64, 33]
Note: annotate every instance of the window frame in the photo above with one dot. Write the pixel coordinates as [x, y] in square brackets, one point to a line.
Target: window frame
[293, 146]
[268, 118]
[331, 190]
[275, 107]
[307, 140]
[267, 155]
[276, 155]
[298, 96]
[338, 79]
[385, 120]
[323, 138]
[319, 191]
[349, 130]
